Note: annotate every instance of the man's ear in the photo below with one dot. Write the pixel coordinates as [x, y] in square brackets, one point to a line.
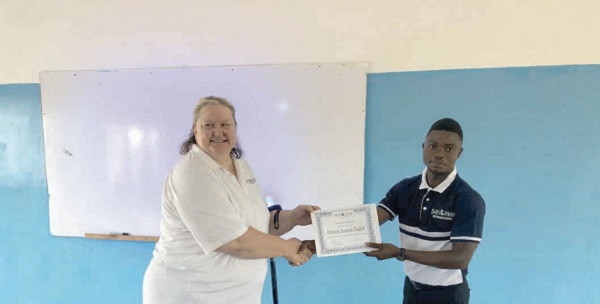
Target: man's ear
[461, 151]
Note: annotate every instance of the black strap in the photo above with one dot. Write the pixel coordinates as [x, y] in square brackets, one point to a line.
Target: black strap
[276, 219]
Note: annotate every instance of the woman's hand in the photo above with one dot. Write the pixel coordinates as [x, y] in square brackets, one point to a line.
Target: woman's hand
[285, 220]
[300, 216]
[296, 254]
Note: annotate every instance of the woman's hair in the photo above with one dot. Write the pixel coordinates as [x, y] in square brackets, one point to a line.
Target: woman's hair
[186, 146]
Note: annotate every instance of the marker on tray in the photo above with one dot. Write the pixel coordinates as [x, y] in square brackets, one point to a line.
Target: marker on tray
[119, 233]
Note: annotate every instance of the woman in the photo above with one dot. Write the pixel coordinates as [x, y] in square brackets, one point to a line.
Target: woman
[216, 231]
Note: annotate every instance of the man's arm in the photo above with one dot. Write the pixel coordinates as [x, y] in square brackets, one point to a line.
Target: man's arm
[458, 257]
[382, 216]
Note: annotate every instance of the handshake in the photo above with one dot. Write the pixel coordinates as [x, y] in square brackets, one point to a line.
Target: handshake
[307, 248]
[303, 251]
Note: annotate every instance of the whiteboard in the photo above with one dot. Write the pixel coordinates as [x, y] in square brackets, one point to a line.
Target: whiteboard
[111, 138]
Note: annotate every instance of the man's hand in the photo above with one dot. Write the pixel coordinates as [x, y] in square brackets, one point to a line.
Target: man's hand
[384, 251]
[309, 245]
[306, 251]
[297, 256]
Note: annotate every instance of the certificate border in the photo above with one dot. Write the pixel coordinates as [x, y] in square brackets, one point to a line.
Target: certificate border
[368, 210]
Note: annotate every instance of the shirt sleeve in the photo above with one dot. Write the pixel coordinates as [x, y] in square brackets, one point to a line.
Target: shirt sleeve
[468, 221]
[204, 206]
[390, 203]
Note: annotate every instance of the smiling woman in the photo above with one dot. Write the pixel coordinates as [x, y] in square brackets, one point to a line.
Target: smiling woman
[214, 128]
[215, 131]
[216, 230]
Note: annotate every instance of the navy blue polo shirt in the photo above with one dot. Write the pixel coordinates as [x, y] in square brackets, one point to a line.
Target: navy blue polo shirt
[432, 218]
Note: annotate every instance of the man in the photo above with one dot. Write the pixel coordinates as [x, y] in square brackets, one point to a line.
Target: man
[441, 222]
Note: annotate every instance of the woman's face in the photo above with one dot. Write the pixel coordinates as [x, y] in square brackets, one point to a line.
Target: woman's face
[215, 131]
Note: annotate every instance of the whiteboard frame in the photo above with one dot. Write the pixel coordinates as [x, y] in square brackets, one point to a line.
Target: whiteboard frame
[110, 138]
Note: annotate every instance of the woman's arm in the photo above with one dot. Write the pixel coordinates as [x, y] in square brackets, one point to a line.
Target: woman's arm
[254, 244]
[288, 219]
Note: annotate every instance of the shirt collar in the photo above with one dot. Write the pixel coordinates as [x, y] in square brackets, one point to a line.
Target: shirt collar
[206, 159]
[441, 187]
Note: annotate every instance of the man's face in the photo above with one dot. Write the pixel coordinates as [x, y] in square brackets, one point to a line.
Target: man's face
[441, 149]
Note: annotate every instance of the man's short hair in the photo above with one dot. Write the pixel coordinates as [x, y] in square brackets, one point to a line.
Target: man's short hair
[447, 124]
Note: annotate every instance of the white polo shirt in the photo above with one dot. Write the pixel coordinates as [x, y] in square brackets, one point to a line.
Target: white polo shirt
[204, 207]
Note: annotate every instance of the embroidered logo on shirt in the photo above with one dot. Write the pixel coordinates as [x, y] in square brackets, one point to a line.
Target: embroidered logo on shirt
[251, 181]
[442, 214]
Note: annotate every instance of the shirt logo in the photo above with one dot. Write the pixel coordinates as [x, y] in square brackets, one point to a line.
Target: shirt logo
[442, 214]
[251, 181]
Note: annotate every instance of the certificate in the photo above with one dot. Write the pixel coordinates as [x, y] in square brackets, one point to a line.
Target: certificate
[345, 231]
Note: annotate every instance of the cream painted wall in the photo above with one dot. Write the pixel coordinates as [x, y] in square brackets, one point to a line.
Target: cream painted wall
[392, 35]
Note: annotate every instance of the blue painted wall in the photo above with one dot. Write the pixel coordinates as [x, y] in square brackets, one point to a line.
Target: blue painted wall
[36, 267]
[531, 148]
